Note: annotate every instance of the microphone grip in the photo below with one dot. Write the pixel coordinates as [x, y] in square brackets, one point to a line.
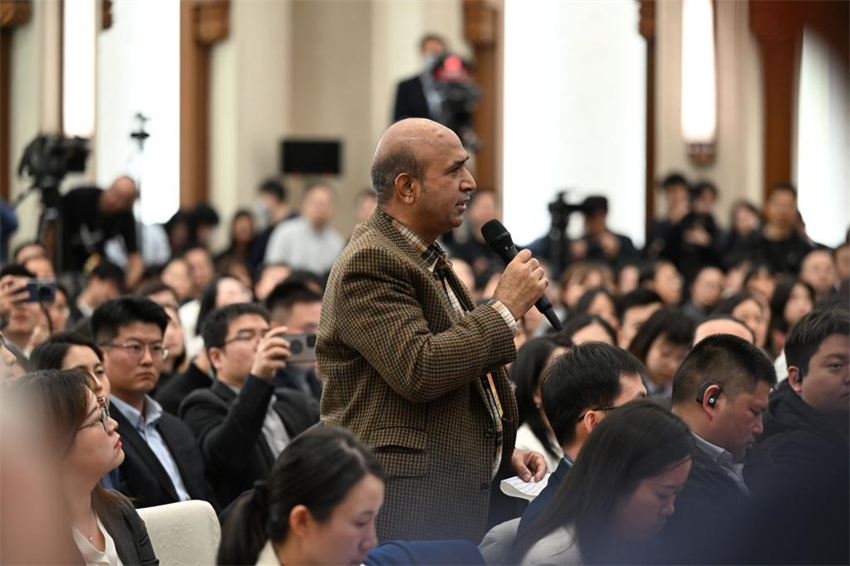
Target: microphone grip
[543, 304]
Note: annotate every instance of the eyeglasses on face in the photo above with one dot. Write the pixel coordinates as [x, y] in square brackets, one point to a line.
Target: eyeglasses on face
[581, 418]
[102, 417]
[137, 349]
[247, 336]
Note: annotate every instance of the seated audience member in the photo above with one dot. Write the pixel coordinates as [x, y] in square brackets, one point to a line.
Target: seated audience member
[270, 276]
[761, 280]
[696, 240]
[317, 507]
[791, 301]
[242, 422]
[799, 468]
[534, 432]
[483, 207]
[203, 220]
[662, 277]
[598, 301]
[599, 244]
[745, 223]
[177, 274]
[273, 209]
[618, 495]
[164, 296]
[58, 311]
[720, 391]
[162, 463]
[752, 310]
[706, 292]
[72, 351]
[579, 278]
[578, 392]
[779, 243]
[28, 250]
[723, 324]
[661, 344]
[219, 292]
[628, 279]
[201, 267]
[41, 266]
[807, 419]
[365, 203]
[236, 268]
[633, 310]
[24, 320]
[308, 242]
[583, 327]
[241, 236]
[818, 270]
[104, 284]
[106, 527]
[297, 307]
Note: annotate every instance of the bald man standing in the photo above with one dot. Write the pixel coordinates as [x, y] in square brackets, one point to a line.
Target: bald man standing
[410, 365]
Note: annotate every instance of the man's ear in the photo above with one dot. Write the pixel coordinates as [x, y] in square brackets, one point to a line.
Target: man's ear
[591, 419]
[405, 187]
[795, 379]
[214, 354]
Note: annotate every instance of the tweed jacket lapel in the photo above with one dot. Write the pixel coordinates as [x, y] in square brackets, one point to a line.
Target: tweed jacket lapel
[380, 222]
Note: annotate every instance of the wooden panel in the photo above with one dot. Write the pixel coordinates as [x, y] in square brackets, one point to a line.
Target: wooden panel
[646, 27]
[481, 28]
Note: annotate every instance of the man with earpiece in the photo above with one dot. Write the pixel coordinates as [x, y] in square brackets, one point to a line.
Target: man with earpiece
[720, 391]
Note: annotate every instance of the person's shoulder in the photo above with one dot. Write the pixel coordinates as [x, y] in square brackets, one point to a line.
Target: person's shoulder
[410, 82]
[558, 547]
[202, 397]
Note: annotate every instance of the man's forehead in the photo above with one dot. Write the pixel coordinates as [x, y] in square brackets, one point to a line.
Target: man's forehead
[248, 322]
[140, 330]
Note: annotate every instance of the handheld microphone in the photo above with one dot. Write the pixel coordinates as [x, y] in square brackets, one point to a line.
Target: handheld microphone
[499, 240]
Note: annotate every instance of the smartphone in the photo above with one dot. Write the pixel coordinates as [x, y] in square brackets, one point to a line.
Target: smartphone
[41, 291]
[302, 348]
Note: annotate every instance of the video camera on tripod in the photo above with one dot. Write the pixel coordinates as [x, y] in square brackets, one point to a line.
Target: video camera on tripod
[46, 160]
[558, 243]
[453, 81]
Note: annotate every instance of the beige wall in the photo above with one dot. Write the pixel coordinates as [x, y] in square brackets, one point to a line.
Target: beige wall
[737, 170]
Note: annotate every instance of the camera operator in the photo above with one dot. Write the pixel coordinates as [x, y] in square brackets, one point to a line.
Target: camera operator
[91, 216]
[599, 244]
[417, 97]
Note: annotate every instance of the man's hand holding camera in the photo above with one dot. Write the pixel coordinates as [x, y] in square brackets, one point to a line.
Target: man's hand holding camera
[13, 292]
[272, 353]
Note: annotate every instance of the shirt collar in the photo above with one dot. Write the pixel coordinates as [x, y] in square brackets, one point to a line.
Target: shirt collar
[153, 411]
[428, 253]
[719, 455]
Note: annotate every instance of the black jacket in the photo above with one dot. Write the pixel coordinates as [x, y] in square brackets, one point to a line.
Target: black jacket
[702, 511]
[142, 476]
[128, 531]
[410, 101]
[229, 428]
[179, 387]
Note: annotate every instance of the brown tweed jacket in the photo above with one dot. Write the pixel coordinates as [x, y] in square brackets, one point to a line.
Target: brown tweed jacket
[405, 378]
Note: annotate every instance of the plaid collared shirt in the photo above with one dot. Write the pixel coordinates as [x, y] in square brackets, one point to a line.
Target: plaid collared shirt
[434, 258]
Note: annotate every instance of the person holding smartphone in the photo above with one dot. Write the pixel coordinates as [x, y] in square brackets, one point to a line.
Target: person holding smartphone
[25, 324]
[243, 422]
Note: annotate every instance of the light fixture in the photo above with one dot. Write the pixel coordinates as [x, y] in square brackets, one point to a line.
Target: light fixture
[699, 80]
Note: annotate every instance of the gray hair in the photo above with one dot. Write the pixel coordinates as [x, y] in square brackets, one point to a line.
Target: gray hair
[387, 167]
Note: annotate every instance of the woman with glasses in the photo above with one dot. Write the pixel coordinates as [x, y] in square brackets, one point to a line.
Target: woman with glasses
[106, 528]
[618, 494]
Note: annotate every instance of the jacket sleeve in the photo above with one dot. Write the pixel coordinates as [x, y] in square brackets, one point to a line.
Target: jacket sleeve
[227, 435]
[382, 318]
[144, 548]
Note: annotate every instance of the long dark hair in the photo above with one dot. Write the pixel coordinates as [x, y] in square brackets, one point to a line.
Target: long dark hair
[576, 322]
[780, 299]
[589, 296]
[61, 399]
[666, 322]
[636, 441]
[526, 373]
[51, 353]
[316, 470]
[209, 296]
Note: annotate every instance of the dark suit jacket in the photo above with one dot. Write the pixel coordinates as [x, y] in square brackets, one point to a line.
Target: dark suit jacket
[179, 387]
[405, 378]
[229, 428]
[142, 476]
[539, 504]
[410, 101]
[128, 531]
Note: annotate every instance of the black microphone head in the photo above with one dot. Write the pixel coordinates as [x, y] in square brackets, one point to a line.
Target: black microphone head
[495, 230]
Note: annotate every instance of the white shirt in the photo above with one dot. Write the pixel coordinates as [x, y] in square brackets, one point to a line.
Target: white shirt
[93, 556]
[297, 244]
[525, 440]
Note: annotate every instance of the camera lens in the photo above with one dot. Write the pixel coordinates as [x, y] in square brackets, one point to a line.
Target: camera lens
[296, 346]
[311, 341]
